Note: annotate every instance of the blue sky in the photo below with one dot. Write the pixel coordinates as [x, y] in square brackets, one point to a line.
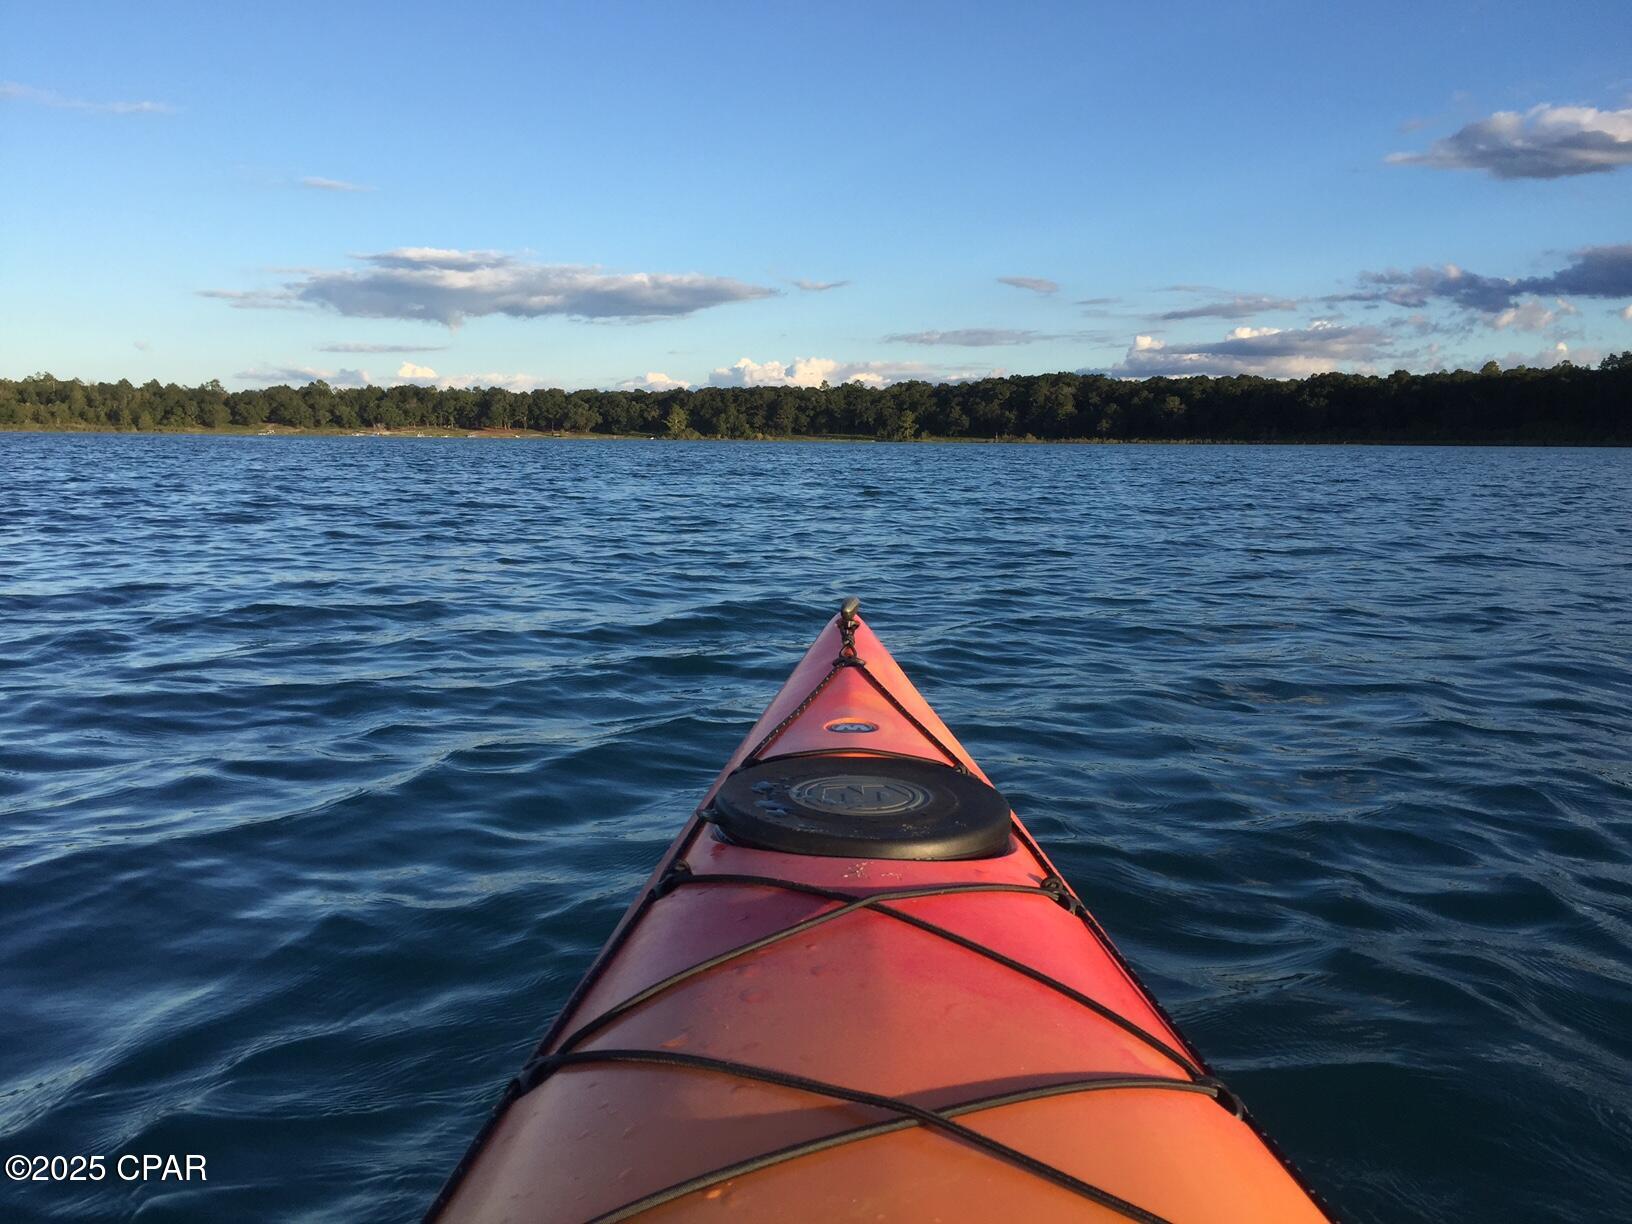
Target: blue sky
[646, 194]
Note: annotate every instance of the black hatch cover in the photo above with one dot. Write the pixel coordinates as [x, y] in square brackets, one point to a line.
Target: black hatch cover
[863, 807]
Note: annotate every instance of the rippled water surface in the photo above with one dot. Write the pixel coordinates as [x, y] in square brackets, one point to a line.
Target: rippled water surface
[327, 764]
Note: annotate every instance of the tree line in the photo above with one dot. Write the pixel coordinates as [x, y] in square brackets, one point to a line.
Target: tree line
[1559, 404]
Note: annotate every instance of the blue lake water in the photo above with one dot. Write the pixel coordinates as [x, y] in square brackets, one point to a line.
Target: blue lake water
[327, 764]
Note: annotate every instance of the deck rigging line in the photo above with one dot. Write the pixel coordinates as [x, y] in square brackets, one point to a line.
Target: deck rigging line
[679, 875]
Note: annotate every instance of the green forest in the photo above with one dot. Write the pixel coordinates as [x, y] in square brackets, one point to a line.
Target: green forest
[1559, 404]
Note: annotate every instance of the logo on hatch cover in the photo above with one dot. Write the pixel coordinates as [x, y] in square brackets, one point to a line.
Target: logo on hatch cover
[861, 795]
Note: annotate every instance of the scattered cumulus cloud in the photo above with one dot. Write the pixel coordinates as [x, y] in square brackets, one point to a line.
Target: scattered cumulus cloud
[11, 91]
[1240, 306]
[448, 286]
[1268, 351]
[142, 345]
[270, 376]
[1601, 272]
[407, 373]
[1548, 357]
[1037, 284]
[1417, 287]
[969, 337]
[328, 184]
[1544, 142]
[814, 371]
[348, 346]
[814, 286]
[653, 380]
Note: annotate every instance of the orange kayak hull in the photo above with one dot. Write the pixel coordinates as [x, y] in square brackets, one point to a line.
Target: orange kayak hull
[928, 990]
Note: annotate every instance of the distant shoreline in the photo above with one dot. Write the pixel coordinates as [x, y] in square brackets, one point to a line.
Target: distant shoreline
[531, 435]
[1559, 405]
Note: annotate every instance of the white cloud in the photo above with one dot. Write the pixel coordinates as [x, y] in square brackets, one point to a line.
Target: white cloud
[425, 376]
[1626, 313]
[812, 286]
[143, 345]
[1037, 284]
[1544, 142]
[494, 378]
[1532, 316]
[652, 380]
[804, 372]
[1525, 317]
[328, 184]
[814, 371]
[1267, 351]
[12, 91]
[447, 286]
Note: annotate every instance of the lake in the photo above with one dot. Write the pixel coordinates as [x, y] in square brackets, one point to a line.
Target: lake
[326, 764]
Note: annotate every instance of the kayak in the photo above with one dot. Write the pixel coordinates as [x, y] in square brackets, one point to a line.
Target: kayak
[856, 989]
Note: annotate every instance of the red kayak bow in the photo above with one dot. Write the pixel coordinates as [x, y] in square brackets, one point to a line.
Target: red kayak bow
[856, 989]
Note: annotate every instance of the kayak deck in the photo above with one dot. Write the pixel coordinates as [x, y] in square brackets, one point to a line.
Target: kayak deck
[776, 1034]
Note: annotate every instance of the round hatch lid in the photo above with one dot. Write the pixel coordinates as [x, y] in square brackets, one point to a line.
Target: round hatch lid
[863, 807]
